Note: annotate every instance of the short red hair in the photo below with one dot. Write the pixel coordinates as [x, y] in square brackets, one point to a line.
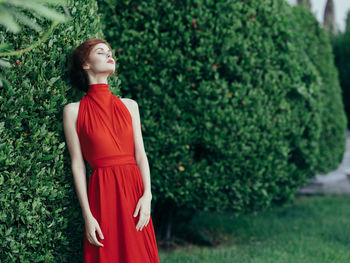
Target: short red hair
[79, 56]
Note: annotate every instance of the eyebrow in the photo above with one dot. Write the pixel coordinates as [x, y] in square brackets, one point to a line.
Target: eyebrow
[102, 49]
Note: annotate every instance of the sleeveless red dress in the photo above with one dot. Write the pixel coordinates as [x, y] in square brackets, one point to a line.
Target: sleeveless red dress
[104, 128]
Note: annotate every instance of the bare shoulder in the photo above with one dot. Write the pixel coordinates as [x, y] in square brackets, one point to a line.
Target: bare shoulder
[71, 110]
[131, 105]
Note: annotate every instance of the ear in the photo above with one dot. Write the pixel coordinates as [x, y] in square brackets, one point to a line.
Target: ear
[86, 66]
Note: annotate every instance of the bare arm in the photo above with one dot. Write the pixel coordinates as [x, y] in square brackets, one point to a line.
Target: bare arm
[70, 113]
[140, 154]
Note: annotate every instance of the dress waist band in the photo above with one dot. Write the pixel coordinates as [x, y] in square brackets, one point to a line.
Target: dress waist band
[113, 160]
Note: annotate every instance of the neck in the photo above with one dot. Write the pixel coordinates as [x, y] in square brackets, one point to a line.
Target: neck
[99, 88]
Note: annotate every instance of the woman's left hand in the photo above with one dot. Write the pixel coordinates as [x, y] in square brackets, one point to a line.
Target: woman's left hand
[144, 206]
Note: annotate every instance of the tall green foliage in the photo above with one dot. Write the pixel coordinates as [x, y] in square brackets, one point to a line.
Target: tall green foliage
[40, 216]
[230, 102]
[341, 47]
[315, 44]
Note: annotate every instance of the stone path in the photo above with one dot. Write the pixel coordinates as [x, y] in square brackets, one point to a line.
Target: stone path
[335, 182]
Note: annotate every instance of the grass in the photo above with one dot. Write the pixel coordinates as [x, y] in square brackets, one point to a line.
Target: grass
[312, 230]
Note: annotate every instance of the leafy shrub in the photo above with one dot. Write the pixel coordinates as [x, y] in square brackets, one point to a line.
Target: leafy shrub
[230, 101]
[316, 45]
[40, 215]
[341, 47]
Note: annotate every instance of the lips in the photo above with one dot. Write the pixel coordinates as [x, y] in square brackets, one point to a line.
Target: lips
[110, 61]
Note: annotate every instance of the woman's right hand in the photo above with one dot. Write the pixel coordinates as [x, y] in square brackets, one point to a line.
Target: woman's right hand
[91, 226]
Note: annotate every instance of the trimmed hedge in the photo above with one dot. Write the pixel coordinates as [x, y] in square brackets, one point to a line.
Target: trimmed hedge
[317, 46]
[341, 47]
[40, 215]
[230, 100]
[231, 108]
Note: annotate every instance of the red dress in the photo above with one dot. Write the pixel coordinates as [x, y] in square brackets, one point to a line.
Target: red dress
[104, 128]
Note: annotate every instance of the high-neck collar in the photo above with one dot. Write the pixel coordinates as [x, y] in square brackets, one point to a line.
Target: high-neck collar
[99, 88]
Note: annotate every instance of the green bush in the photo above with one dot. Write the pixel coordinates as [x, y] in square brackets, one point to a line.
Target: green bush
[230, 101]
[40, 215]
[341, 47]
[316, 45]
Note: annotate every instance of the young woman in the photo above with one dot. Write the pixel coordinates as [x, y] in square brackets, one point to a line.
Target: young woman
[105, 130]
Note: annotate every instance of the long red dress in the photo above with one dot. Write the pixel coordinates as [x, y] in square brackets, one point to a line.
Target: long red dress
[104, 128]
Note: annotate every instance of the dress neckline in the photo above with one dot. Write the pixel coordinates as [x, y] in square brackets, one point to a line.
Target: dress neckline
[99, 88]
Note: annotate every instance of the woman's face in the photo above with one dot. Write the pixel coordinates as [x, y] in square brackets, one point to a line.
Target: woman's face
[100, 60]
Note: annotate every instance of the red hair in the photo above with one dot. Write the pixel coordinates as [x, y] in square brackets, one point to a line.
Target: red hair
[78, 76]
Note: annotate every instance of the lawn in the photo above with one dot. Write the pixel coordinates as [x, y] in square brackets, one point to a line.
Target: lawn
[312, 229]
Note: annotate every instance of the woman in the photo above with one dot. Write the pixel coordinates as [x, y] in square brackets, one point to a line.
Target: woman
[105, 130]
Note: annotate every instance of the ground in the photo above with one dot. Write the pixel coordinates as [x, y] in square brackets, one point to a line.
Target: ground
[335, 182]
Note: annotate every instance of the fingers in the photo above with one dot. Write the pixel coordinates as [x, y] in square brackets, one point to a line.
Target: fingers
[99, 232]
[146, 223]
[93, 240]
[91, 226]
[137, 209]
[91, 236]
[143, 221]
